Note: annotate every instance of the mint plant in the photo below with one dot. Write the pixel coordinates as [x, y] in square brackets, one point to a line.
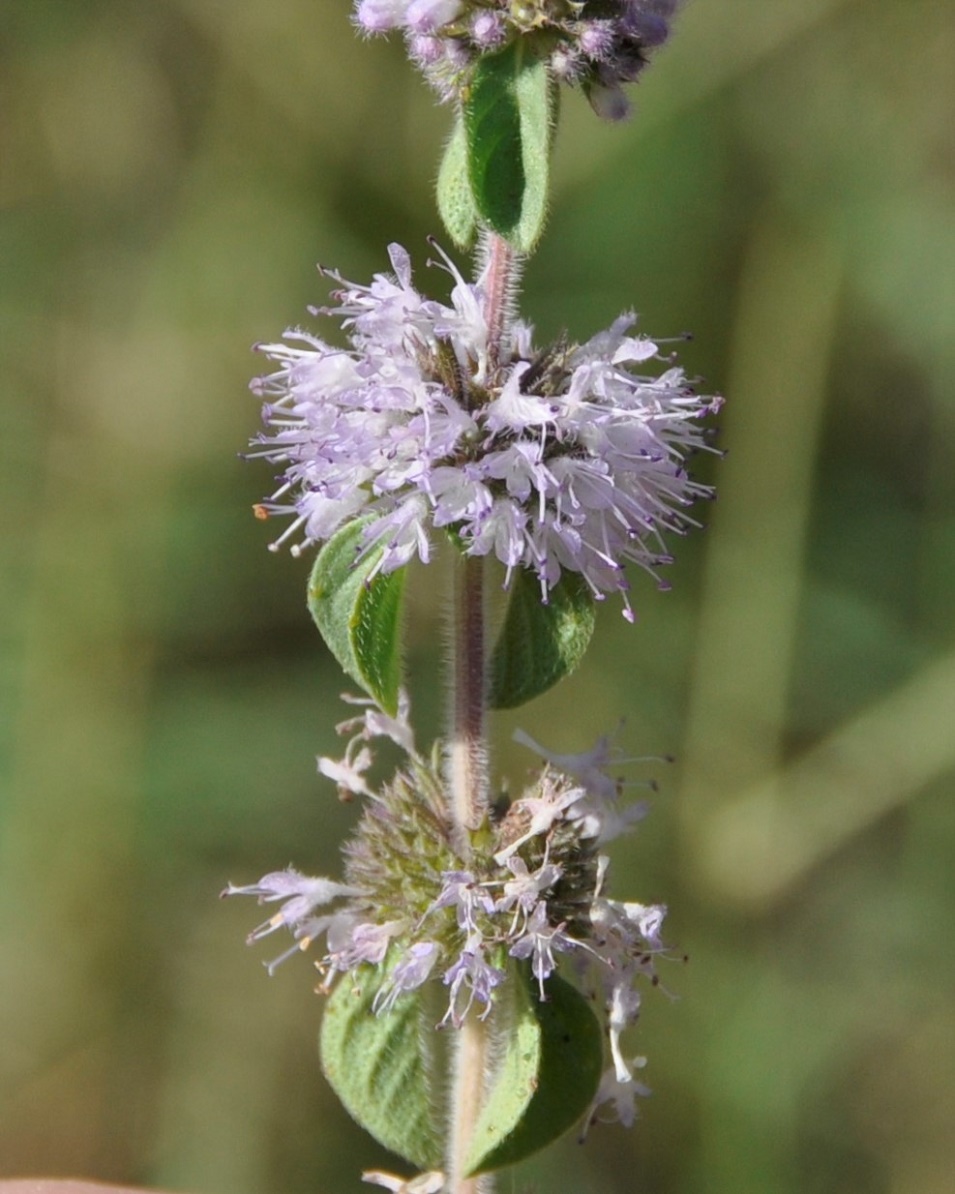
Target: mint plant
[479, 976]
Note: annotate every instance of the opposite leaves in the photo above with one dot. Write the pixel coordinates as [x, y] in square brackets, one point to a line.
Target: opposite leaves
[549, 1060]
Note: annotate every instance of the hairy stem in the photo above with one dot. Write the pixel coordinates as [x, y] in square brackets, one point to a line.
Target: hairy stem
[467, 752]
[470, 1065]
[500, 274]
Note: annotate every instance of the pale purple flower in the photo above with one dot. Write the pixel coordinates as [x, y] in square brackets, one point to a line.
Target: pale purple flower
[605, 821]
[538, 941]
[620, 1094]
[470, 978]
[378, 16]
[596, 38]
[635, 926]
[527, 887]
[349, 773]
[623, 1010]
[367, 942]
[412, 969]
[566, 460]
[302, 895]
[488, 29]
[647, 919]
[597, 813]
[461, 891]
[376, 723]
[588, 768]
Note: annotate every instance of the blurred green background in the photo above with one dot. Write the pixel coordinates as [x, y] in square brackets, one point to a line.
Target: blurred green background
[171, 171]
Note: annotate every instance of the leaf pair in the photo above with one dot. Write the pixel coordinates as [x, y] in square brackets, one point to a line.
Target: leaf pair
[359, 613]
[549, 1060]
[495, 169]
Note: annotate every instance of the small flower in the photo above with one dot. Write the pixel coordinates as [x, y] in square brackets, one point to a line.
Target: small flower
[471, 977]
[538, 942]
[302, 895]
[624, 1010]
[409, 973]
[460, 890]
[621, 1094]
[365, 942]
[635, 925]
[376, 723]
[568, 459]
[527, 887]
[597, 812]
[348, 773]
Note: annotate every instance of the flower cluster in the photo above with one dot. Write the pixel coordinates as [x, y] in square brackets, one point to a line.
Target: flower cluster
[597, 45]
[532, 889]
[569, 458]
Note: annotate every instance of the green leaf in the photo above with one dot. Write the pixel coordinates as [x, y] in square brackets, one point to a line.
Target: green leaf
[455, 201]
[539, 644]
[518, 1049]
[571, 1063]
[359, 618]
[508, 121]
[379, 1067]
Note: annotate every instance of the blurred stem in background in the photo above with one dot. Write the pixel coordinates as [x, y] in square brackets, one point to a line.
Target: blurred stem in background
[755, 567]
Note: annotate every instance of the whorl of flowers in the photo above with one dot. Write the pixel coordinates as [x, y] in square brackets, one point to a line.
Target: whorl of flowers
[533, 889]
[561, 459]
[597, 45]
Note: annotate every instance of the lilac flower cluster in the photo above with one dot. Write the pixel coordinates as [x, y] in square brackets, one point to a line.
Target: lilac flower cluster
[563, 459]
[597, 45]
[533, 891]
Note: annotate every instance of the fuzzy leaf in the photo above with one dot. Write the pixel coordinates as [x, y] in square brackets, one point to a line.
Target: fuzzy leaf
[508, 122]
[455, 201]
[539, 644]
[359, 619]
[571, 1062]
[379, 1067]
[515, 1078]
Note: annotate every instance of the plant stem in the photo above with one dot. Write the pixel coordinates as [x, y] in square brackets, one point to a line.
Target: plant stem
[501, 271]
[467, 778]
[470, 1065]
[467, 752]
